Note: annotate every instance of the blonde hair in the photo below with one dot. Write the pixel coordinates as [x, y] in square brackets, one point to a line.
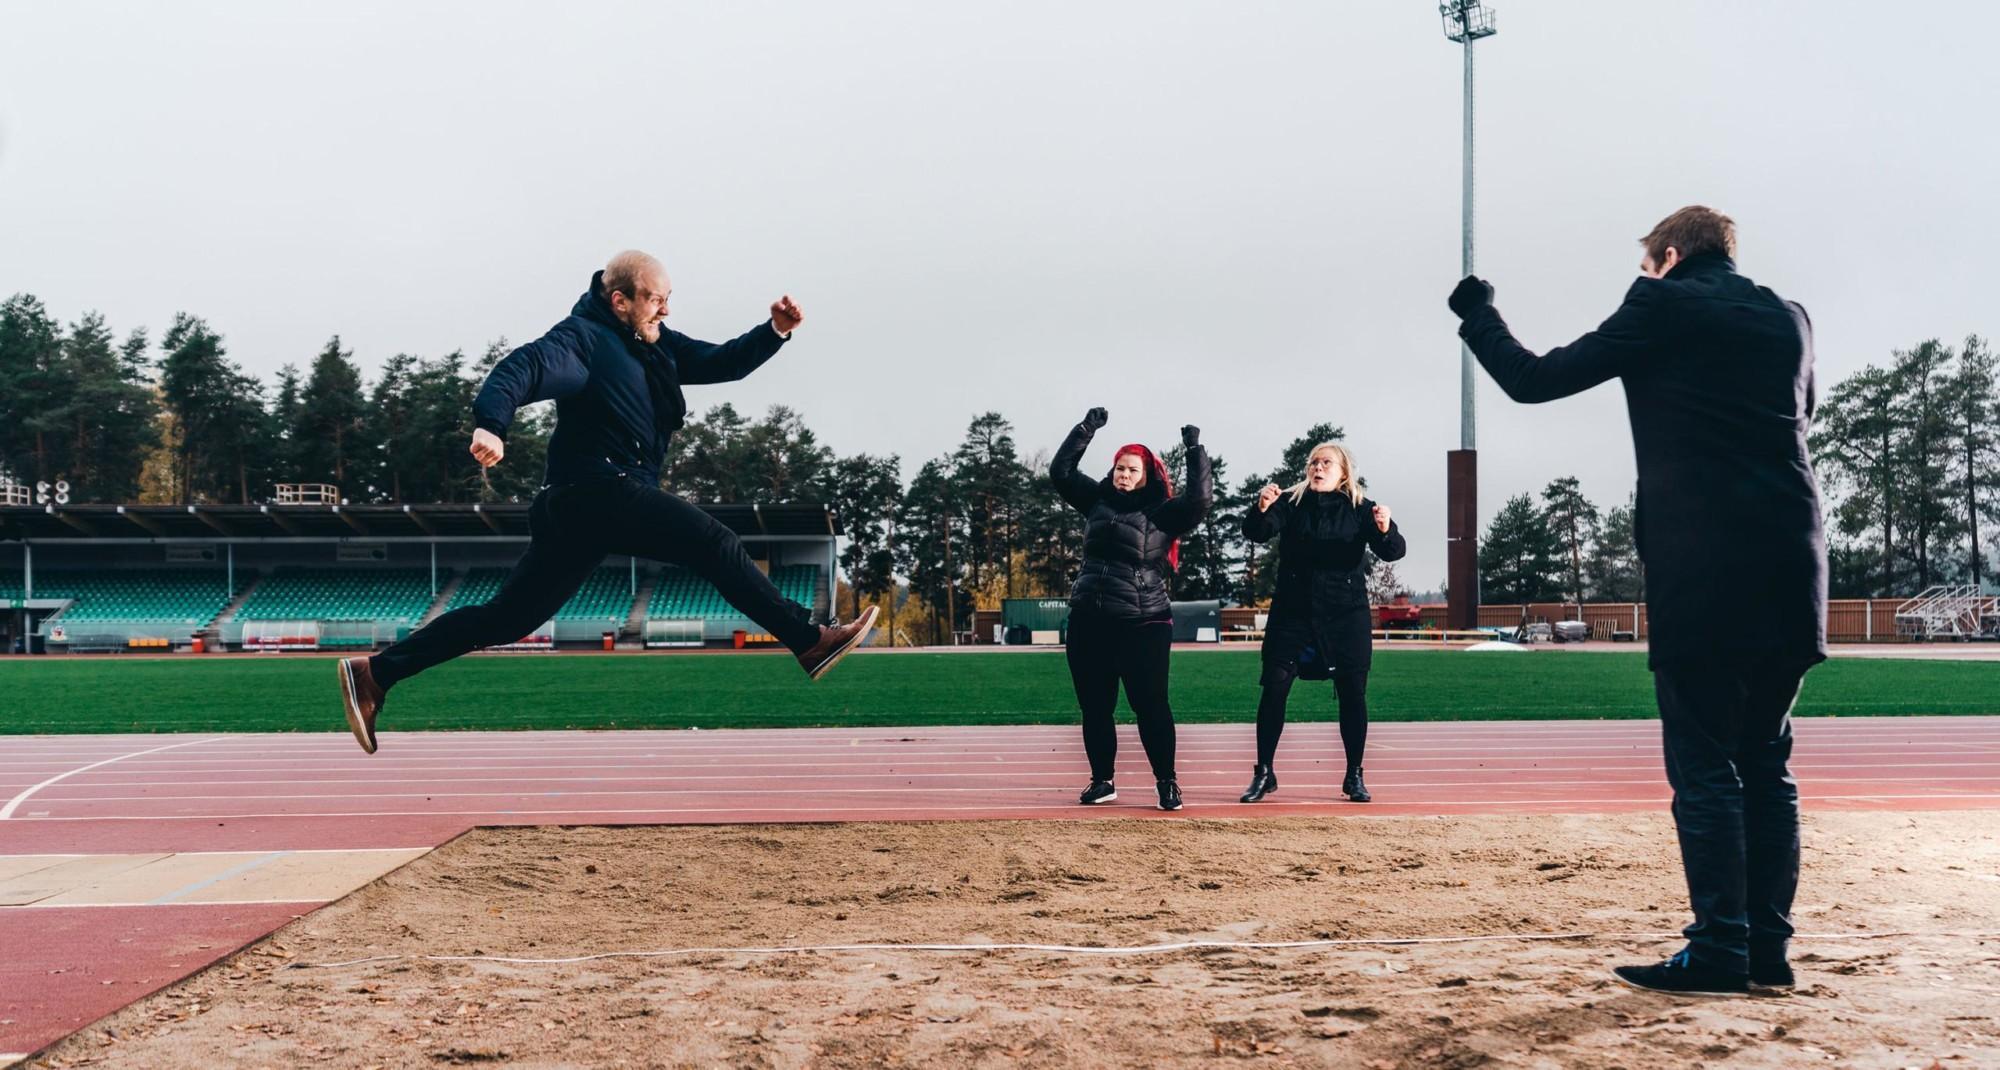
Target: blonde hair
[1349, 484]
[622, 274]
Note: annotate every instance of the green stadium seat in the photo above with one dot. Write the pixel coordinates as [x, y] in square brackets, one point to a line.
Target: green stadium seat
[190, 596]
[398, 594]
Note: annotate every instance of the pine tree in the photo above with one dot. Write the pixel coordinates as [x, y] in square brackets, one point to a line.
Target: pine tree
[1518, 557]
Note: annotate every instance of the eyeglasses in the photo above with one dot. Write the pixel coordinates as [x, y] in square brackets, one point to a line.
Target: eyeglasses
[1322, 462]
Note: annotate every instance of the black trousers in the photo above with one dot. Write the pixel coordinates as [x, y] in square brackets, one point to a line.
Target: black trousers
[573, 527]
[1350, 687]
[1727, 731]
[1104, 652]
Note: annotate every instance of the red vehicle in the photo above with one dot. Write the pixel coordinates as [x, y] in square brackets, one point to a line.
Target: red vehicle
[1399, 614]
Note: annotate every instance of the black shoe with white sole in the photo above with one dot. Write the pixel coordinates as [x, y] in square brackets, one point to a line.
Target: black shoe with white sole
[1170, 794]
[1099, 791]
[1682, 976]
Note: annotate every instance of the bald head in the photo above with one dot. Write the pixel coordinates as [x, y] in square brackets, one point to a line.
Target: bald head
[626, 271]
[637, 286]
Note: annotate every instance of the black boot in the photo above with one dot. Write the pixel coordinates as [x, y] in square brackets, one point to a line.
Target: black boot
[1262, 782]
[1353, 788]
[1170, 794]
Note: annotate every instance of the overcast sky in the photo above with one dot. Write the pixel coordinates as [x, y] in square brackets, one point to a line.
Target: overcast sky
[1241, 215]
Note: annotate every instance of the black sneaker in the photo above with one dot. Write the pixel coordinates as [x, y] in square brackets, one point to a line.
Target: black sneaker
[1771, 975]
[1681, 976]
[1099, 791]
[1170, 794]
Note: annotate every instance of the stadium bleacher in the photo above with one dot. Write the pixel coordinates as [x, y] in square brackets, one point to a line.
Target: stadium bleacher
[153, 596]
[391, 594]
[605, 596]
[681, 595]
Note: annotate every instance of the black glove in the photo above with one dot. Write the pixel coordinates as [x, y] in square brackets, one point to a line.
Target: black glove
[1473, 293]
[1190, 436]
[1096, 418]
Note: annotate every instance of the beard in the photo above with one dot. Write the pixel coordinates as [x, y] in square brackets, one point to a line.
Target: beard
[648, 329]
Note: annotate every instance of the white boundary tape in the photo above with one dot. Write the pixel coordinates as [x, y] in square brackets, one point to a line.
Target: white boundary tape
[1077, 949]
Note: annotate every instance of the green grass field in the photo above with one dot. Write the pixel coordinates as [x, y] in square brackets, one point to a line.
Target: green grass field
[263, 694]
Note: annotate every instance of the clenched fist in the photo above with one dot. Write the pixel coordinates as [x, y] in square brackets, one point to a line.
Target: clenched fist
[1096, 418]
[1382, 517]
[1470, 295]
[1268, 495]
[487, 448]
[785, 314]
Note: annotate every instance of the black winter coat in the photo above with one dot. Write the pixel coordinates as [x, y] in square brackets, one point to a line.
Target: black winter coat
[1321, 601]
[618, 397]
[1125, 541]
[1718, 376]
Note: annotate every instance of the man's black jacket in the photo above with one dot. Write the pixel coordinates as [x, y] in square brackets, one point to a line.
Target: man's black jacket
[1718, 376]
[618, 397]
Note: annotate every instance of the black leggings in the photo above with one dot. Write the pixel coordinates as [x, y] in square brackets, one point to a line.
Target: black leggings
[1101, 654]
[1351, 688]
[573, 527]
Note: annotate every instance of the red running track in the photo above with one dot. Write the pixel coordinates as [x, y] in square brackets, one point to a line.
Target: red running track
[154, 793]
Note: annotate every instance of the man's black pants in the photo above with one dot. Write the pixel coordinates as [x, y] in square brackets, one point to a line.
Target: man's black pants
[573, 527]
[1104, 652]
[1727, 731]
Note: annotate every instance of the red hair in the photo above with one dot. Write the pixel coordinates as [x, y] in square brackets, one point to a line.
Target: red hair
[1156, 470]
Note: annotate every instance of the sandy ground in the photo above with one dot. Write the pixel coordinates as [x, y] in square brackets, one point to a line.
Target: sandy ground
[549, 892]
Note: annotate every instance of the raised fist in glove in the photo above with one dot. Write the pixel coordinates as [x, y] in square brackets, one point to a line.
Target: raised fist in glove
[1096, 418]
[1472, 294]
[1190, 436]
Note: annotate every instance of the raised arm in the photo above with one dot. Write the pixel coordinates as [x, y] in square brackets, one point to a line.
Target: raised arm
[699, 362]
[1266, 518]
[1616, 347]
[1181, 513]
[1388, 545]
[1079, 490]
[547, 368]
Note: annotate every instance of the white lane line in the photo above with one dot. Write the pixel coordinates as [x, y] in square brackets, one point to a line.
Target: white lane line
[965, 764]
[185, 854]
[1218, 779]
[236, 870]
[130, 905]
[15, 803]
[1196, 807]
[764, 756]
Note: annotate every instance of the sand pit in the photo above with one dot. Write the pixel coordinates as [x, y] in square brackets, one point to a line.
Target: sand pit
[554, 892]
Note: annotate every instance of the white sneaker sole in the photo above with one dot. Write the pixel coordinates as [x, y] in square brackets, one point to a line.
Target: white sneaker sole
[1113, 797]
[860, 636]
[353, 708]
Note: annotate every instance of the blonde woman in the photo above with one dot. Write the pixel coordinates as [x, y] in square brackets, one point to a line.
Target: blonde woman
[1320, 622]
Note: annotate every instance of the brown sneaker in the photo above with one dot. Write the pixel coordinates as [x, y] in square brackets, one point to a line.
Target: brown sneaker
[362, 699]
[835, 642]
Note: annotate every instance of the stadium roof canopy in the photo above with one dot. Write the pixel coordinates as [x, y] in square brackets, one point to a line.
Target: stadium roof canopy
[436, 522]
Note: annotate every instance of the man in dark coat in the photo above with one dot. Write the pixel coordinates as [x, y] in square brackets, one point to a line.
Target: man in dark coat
[1718, 377]
[615, 374]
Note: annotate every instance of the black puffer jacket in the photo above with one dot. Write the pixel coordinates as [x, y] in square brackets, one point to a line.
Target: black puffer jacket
[1124, 574]
[618, 397]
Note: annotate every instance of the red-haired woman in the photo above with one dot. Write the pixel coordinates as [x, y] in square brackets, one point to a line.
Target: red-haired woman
[1121, 625]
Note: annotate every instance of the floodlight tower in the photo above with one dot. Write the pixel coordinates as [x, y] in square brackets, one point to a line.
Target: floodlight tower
[1465, 22]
